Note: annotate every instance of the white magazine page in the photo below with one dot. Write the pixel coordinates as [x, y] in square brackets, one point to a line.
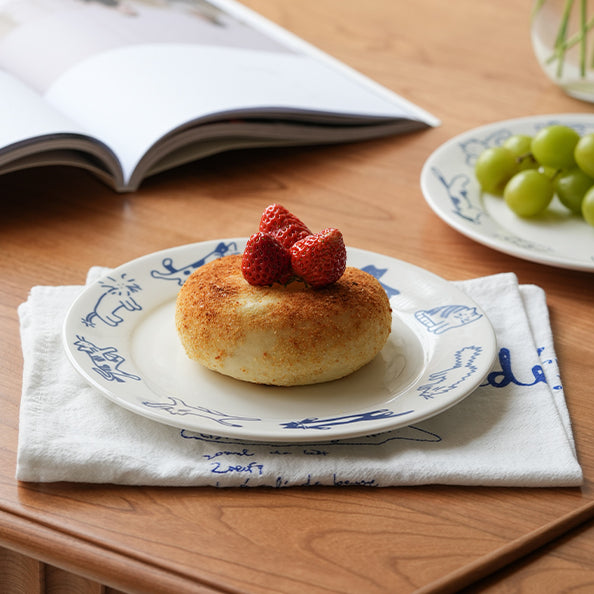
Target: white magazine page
[130, 71]
[25, 116]
[149, 91]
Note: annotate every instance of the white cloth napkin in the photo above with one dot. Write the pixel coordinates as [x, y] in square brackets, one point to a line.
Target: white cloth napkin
[514, 430]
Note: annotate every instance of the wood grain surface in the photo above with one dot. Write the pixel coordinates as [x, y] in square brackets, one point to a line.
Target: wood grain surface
[468, 62]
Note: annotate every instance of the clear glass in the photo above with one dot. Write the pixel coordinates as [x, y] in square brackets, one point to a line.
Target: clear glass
[563, 41]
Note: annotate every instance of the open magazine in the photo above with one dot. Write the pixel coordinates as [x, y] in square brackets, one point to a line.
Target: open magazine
[129, 88]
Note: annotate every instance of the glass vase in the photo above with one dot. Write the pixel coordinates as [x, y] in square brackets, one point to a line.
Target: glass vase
[563, 41]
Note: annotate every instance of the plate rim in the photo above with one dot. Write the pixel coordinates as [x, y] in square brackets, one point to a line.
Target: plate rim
[306, 436]
[475, 234]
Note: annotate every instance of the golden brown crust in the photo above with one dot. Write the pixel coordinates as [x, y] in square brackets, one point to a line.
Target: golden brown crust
[281, 335]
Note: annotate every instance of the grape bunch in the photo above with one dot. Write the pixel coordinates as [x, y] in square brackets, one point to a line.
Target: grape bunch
[528, 171]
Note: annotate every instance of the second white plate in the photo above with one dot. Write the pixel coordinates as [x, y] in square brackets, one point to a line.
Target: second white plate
[120, 335]
[557, 237]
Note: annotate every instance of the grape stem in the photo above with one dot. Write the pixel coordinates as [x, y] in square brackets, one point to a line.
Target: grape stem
[525, 157]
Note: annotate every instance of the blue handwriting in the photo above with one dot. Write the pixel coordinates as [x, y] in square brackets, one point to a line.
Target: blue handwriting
[251, 468]
[505, 376]
[243, 452]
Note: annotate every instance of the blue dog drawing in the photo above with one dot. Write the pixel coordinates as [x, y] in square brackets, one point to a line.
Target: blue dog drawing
[117, 295]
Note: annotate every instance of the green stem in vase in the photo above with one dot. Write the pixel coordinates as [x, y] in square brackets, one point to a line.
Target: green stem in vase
[584, 39]
[561, 40]
[588, 26]
[563, 43]
[572, 41]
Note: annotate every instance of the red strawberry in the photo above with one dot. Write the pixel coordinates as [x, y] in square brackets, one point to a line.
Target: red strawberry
[283, 225]
[265, 261]
[319, 259]
[290, 234]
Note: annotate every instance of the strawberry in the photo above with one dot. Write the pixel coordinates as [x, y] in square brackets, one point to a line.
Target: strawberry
[265, 261]
[290, 234]
[283, 225]
[319, 259]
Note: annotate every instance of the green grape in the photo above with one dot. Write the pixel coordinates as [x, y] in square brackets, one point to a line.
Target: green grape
[571, 187]
[584, 154]
[494, 168]
[518, 144]
[528, 192]
[554, 146]
[520, 147]
[550, 172]
[588, 207]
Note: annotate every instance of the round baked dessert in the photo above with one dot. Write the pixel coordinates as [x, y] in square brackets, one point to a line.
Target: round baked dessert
[281, 335]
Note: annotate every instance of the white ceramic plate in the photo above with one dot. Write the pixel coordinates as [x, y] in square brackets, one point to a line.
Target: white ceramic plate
[120, 335]
[557, 237]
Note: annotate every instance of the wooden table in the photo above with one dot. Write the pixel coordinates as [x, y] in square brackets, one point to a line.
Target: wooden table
[470, 63]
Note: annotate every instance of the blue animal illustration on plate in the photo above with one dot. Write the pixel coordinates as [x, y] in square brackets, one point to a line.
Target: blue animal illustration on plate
[463, 366]
[378, 273]
[179, 275]
[117, 295]
[457, 191]
[327, 423]
[445, 317]
[176, 406]
[106, 361]
[473, 147]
